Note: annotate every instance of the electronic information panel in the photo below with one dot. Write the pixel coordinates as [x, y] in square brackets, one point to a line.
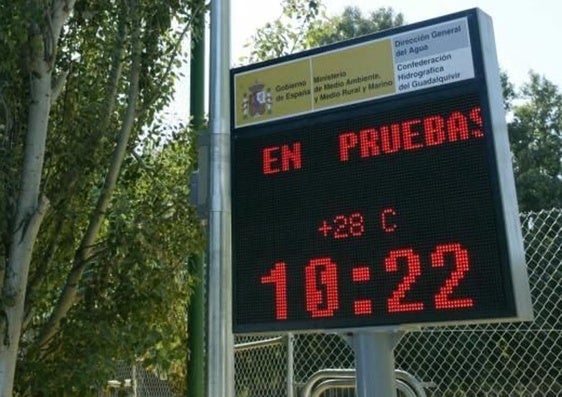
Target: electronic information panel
[372, 185]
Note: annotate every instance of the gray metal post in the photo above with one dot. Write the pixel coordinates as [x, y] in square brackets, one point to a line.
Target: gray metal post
[220, 350]
[374, 364]
[290, 365]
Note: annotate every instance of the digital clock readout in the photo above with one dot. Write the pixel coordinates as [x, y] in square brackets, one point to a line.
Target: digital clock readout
[386, 217]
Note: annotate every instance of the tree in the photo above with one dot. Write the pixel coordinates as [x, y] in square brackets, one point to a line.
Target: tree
[352, 23]
[303, 24]
[536, 142]
[285, 35]
[97, 228]
[30, 208]
[135, 292]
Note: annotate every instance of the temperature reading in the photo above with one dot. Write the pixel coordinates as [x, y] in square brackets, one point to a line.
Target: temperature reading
[343, 226]
[353, 225]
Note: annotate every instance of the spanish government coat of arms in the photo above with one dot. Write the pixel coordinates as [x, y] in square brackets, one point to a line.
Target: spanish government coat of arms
[258, 101]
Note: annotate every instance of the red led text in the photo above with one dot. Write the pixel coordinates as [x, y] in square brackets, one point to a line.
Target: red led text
[362, 274]
[343, 226]
[412, 134]
[278, 277]
[282, 158]
[353, 225]
[322, 278]
[387, 222]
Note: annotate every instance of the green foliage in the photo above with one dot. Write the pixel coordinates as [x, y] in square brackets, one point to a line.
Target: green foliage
[287, 33]
[508, 91]
[134, 291]
[304, 24]
[536, 143]
[352, 23]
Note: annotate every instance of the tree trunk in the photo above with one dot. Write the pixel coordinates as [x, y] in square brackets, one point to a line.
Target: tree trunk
[29, 214]
[30, 207]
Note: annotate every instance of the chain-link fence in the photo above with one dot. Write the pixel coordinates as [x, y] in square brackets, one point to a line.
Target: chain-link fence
[134, 381]
[505, 360]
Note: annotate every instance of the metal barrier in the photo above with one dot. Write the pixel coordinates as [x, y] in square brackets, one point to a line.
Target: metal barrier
[336, 384]
[328, 379]
[240, 347]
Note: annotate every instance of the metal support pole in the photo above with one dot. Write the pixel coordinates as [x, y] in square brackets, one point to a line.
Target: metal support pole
[290, 365]
[197, 68]
[196, 313]
[220, 350]
[374, 363]
[196, 330]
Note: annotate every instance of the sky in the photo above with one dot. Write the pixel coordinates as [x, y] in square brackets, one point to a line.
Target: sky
[527, 32]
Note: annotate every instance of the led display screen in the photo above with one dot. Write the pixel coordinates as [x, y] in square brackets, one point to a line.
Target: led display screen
[384, 213]
[382, 219]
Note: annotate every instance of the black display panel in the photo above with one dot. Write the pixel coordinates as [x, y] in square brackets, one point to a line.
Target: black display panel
[385, 218]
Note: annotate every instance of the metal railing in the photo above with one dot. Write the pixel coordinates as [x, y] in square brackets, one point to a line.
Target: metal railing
[330, 379]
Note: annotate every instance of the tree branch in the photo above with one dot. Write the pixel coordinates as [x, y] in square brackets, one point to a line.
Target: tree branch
[60, 12]
[200, 8]
[106, 111]
[58, 86]
[108, 104]
[84, 252]
[7, 114]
